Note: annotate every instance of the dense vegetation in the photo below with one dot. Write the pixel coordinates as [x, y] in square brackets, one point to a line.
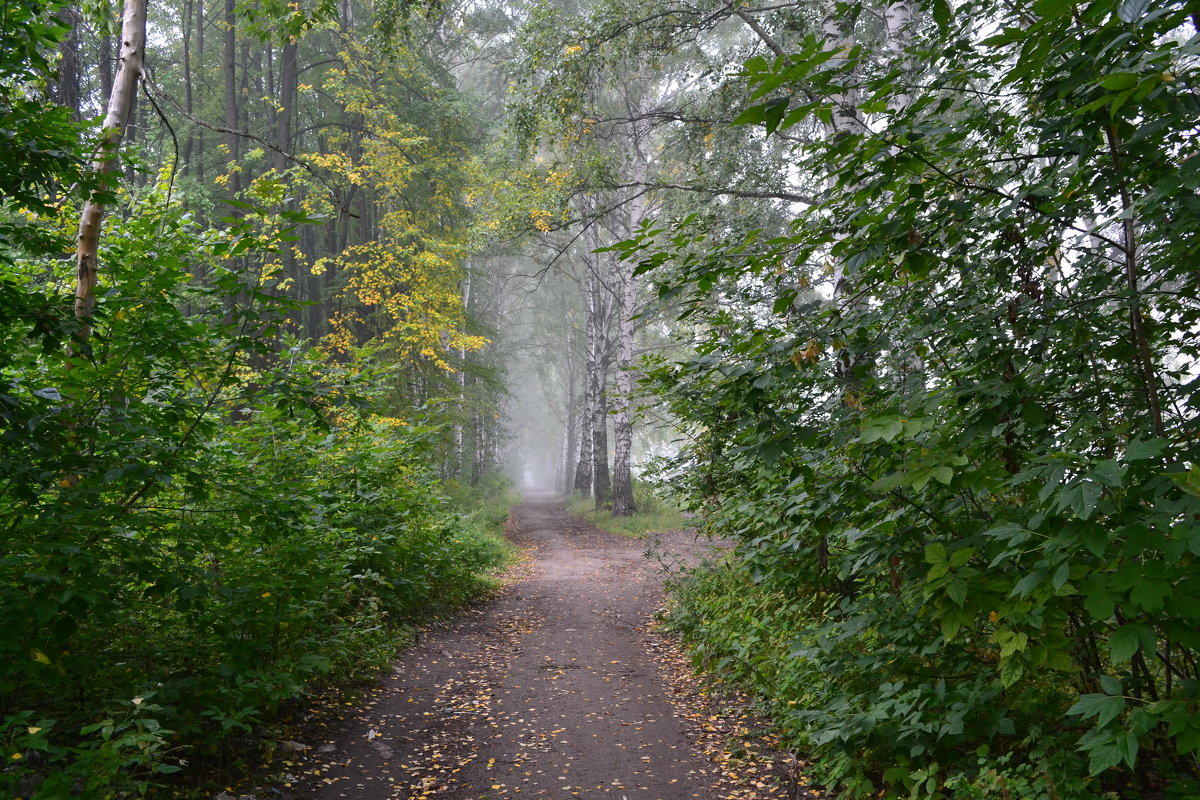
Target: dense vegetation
[210, 511]
[913, 282]
[949, 414]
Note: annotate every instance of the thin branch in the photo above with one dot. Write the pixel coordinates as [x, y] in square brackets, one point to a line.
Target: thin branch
[762, 195]
[252, 137]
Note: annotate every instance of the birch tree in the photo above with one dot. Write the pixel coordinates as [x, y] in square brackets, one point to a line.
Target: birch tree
[124, 89]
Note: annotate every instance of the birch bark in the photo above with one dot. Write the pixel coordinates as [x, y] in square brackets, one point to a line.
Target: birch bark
[599, 311]
[124, 88]
[622, 489]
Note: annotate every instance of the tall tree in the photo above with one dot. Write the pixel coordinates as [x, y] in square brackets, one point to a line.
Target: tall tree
[124, 89]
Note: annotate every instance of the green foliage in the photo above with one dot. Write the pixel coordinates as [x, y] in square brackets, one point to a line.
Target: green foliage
[950, 418]
[197, 512]
[654, 514]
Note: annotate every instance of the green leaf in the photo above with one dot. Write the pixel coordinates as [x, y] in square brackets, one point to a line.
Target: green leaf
[1051, 9]
[942, 474]
[1125, 640]
[1100, 604]
[1131, 11]
[1109, 748]
[1104, 708]
[1119, 81]
[1108, 472]
[956, 590]
[1026, 585]
[941, 13]
[1144, 449]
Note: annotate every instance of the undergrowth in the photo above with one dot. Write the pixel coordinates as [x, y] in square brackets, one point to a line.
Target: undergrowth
[654, 514]
[204, 522]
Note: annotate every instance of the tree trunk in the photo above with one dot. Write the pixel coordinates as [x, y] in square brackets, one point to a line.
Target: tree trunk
[462, 379]
[105, 56]
[598, 306]
[190, 138]
[839, 38]
[601, 483]
[65, 90]
[124, 88]
[844, 120]
[622, 489]
[229, 67]
[622, 485]
[897, 18]
[288, 84]
[570, 442]
[583, 470]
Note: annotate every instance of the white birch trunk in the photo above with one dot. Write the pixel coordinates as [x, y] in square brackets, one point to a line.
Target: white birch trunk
[124, 89]
[622, 491]
[897, 20]
[599, 309]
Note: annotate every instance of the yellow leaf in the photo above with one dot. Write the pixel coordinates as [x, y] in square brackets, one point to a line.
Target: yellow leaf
[39, 656]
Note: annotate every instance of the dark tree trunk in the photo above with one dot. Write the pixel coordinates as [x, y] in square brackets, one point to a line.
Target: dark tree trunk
[106, 70]
[65, 90]
[288, 83]
[229, 69]
[190, 138]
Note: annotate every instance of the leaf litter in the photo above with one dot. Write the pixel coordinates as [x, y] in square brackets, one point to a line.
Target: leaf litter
[563, 685]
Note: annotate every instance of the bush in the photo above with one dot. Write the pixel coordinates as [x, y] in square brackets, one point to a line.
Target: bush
[197, 530]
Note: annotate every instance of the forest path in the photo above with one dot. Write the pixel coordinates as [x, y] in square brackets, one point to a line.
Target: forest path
[558, 688]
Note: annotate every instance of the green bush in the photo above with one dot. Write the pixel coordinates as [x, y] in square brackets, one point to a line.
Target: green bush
[197, 530]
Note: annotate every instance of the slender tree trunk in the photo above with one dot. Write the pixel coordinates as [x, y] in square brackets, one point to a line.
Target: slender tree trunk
[65, 90]
[583, 470]
[190, 138]
[197, 163]
[105, 56]
[844, 120]
[622, 489]
[597, 331]
[601, 482]
[839, 37]
[569, 440]
[1146, 363]
[897, 19]
[124, 88]
[229, 69]
[288, 84]
[622, 482]
[462, 379]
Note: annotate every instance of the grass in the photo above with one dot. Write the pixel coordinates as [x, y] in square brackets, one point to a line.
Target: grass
[656, 517]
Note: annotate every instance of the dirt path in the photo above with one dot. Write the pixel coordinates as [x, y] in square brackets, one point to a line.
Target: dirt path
[554, 689]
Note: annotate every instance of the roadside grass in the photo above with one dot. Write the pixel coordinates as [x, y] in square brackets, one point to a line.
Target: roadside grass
[654, 516]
